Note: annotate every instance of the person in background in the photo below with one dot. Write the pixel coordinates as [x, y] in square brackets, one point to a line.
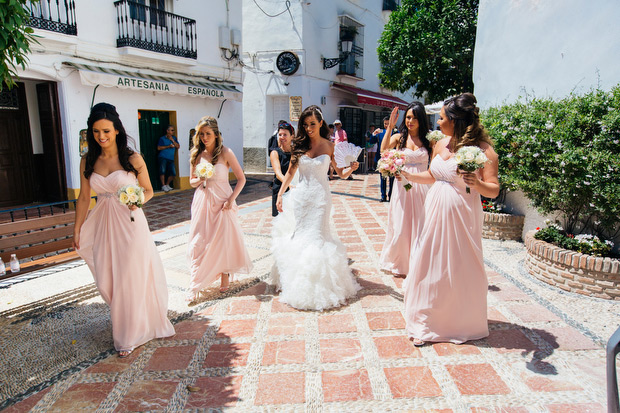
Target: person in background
[386, 193]
[280, 158]
[167, 146]
[192, 132]
[273, 140]
[340, 135]
[331, 132]
[371, 147]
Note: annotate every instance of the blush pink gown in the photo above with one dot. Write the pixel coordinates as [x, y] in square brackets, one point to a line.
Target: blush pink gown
[446, 287]
[215, 236]
[125, 264]
[405, 216]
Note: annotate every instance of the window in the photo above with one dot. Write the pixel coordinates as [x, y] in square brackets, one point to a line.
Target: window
[352, 30]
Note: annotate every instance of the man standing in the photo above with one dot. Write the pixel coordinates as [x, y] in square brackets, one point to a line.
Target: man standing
[339, 134]
[380, 133]
[167, 145]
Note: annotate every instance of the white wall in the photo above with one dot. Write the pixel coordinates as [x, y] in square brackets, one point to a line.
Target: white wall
[311, 30]
[545, 48]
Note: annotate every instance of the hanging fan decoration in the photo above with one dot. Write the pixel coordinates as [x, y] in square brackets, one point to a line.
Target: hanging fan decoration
[345, 153]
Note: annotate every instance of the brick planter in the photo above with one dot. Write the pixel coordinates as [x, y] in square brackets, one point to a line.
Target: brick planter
[502, 226]
[573, 271]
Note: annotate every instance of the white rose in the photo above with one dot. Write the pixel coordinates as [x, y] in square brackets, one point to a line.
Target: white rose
[469, 156]
[210, 173]
[133, 198]
[142, 197]
[481, 158]
[123, 198]
[130, 190]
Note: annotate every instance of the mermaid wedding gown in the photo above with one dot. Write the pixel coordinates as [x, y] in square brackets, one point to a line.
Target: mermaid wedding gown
[311, 266]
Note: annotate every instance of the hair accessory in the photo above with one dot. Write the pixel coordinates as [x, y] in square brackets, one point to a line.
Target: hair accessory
[284, 125]
[320, 113]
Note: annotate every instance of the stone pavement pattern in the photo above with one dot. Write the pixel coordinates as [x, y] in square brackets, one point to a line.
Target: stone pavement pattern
[247, 351]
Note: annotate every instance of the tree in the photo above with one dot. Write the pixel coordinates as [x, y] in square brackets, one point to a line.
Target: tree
[429, 45]
[15, 39]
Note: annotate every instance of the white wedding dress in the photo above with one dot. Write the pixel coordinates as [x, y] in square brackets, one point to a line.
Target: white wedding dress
[311, 267]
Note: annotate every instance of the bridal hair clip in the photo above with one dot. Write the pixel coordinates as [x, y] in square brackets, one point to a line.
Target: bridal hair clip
[320, 113]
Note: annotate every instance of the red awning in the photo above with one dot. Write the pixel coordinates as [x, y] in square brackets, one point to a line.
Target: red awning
[372, 98]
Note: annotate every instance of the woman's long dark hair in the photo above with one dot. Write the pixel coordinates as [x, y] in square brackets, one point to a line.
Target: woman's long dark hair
[107, 111]
[301, 143]
[423, 126]
[468, 131]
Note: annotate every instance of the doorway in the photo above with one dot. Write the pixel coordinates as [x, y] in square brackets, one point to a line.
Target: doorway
[17, 181]
[152, 125]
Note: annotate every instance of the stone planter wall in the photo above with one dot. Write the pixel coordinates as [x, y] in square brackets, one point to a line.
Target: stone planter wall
[571, 270]
[502, 226]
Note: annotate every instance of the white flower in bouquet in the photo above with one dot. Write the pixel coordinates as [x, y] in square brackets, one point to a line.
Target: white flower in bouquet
[204, 170]
[131, 195]
[391, 163]
[470, 159]
[435, 136]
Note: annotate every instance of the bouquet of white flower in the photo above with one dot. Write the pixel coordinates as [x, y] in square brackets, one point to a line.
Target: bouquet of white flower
[435, 136]
[131, 195]
[470, 159]
[391, 163]
[204, 170]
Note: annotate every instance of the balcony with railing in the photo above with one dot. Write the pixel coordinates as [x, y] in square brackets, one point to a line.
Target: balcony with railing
[154, 29]
[53, 15]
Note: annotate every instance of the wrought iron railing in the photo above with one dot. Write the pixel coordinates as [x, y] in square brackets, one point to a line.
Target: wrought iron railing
[154, 29]
[53, 15]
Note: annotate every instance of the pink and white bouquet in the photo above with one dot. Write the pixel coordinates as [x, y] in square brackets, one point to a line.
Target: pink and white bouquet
[131, 195]
[204, 170]
[391, 163]
[470, 159]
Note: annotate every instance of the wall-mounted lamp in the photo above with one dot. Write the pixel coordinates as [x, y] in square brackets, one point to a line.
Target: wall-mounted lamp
[346, 46]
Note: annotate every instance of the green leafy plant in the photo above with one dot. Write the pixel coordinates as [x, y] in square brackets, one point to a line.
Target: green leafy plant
[429, 45]
[15, 39]
[565, 156]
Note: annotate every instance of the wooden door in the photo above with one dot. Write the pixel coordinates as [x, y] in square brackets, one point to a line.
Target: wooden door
[152, 125]
[16, 159]
[54, 179]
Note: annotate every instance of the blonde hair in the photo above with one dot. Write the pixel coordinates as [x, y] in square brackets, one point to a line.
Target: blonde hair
[199, 146]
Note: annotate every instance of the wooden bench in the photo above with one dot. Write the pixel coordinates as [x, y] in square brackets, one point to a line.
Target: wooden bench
[38, 239]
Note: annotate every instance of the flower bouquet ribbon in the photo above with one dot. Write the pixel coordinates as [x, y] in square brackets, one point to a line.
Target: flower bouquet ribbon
[391, 164]
[470, 159]
[130, 195]
[204, 170]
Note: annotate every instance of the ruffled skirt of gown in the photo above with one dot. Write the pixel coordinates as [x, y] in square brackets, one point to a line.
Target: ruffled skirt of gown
[311, 266]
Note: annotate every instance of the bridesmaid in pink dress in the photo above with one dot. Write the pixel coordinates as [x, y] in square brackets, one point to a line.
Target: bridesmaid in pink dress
[406, 211]
[446, 287]
[120, 253]
[216, 248]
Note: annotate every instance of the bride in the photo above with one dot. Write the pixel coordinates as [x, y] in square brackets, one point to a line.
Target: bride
[311, 266]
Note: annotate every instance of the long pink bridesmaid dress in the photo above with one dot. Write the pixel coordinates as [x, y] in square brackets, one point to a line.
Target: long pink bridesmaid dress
[446, 287]
[215, 237]
[125, 264]
[405, 216]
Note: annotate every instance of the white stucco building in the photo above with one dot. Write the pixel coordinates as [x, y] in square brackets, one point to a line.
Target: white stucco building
[159, 62]
[309, 33]
[544, 48]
